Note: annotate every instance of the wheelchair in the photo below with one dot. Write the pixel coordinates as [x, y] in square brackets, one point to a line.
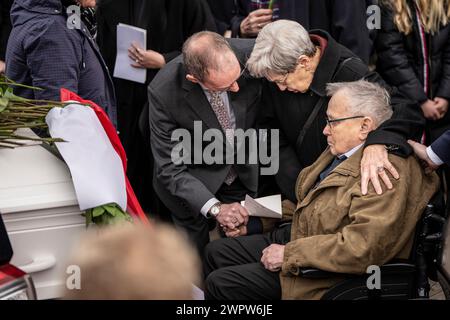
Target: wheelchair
[408, 279]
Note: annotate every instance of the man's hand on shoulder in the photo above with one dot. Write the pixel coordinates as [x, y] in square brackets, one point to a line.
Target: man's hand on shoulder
[374, 164]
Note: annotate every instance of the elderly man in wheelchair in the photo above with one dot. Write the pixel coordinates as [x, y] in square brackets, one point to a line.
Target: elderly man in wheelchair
[335, 233]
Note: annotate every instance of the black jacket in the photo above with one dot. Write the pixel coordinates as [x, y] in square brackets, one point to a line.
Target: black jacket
[289, 112]
[401, 63]
[344, 20]
[5, 26]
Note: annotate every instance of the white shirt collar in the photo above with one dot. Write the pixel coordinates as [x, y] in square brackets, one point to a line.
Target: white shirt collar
[349, 153]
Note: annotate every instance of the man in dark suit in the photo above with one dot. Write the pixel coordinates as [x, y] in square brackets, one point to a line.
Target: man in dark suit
[204, 89]
[168, 23]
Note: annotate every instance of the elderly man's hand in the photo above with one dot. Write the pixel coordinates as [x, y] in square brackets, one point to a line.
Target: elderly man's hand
[147, 59]
[2, 67]
[232, 216]
[374, 165]
[421, 152]
[273, 257]
[255, 21]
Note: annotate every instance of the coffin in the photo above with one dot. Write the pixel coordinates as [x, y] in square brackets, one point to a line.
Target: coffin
[41, 214]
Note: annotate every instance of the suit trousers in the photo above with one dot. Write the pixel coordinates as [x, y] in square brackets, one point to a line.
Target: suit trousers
[233, 269]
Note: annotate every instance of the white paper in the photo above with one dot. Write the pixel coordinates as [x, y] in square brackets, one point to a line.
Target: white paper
[127, 34]
[266, 207]
[95, 166]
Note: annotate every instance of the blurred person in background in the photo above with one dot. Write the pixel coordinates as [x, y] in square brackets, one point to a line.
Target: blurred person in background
[44, 52]
[168, 23]
[135, 262]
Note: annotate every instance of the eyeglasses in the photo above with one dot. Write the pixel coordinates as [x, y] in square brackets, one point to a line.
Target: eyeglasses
[330, 122]
[231, 85]
[282, 81]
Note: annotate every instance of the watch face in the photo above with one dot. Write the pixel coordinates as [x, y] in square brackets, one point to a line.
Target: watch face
[215, 210]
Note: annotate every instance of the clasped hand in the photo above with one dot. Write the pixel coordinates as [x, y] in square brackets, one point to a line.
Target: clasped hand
[233, 219]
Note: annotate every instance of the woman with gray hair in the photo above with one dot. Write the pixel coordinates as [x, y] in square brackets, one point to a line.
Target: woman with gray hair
[297, 66]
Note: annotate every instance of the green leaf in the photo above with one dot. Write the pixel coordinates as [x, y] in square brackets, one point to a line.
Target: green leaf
[114, 210]
[98, 211]
[11, 96]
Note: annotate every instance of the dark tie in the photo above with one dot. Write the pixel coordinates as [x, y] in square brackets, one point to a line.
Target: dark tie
[337, 161]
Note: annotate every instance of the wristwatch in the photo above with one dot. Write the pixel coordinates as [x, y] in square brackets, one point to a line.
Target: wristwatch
[215, 209]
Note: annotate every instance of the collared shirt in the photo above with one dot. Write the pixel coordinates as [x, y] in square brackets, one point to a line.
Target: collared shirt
[349, 153]
[434, 157]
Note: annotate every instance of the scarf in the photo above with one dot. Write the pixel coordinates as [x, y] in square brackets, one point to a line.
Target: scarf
[87, 16]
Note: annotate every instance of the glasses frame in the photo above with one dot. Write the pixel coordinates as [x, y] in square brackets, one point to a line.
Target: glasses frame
[282, 82]
[331, 121]
[244, 68]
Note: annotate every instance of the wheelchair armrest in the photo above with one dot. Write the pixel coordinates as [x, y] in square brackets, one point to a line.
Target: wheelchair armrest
[393, 267]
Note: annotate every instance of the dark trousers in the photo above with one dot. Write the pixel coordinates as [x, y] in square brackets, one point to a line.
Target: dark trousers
[196, 225]
[233, 269]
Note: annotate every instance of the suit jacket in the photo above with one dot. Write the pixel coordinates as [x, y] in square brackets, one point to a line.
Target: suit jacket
[335, 228]
[175, 103]
[289, 112]
[442, 147]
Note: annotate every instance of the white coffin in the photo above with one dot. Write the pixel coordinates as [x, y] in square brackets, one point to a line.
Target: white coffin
[40, 210]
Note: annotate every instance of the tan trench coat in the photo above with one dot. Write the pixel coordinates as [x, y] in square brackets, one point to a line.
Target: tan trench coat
[335, 228]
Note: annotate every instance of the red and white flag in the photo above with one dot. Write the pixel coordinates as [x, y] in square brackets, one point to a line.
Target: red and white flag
[94, 154]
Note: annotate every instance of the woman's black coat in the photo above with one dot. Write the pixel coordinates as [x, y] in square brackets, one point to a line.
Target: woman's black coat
[401, 63]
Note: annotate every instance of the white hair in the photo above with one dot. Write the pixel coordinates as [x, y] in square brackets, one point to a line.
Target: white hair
[364, 98]
[278, 47]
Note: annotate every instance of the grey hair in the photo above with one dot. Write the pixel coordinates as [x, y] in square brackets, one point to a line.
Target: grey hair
[364, 98]
[201, 53]
[278, 47]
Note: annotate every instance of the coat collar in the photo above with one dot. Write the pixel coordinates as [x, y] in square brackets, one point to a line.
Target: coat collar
[304, 187]
[327, 65]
